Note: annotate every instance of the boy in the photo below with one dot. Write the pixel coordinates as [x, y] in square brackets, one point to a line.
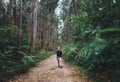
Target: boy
[59, 55]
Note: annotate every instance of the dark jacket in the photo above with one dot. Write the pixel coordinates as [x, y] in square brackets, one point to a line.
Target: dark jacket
[59, 53]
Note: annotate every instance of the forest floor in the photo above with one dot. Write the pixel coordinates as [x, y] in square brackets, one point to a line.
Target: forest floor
[48, 71]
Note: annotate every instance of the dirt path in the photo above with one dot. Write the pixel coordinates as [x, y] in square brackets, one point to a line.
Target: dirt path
[47, 71]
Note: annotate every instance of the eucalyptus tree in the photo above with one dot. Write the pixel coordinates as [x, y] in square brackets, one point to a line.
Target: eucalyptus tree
[2, 13]
[11, 19]
[20, 25]
[46, 23]
[35, 22]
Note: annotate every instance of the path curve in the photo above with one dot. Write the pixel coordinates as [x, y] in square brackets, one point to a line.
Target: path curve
[47, 71]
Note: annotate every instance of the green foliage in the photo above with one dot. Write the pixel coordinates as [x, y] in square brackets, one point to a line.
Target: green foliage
[13, 59]
[97, 32]
[42, 55]
[70, 52]
[26, 49]
[49, 5]
[116, 29]
[3, 14]
[100, 58]
[80, 20]
[88, 54]
[8, 36]
[25, 63]
[10, 65]
[28, 61]
[110, 33]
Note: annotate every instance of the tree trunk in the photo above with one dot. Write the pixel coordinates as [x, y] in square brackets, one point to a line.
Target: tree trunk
[11, 19]
[20, 26]
[35, 24]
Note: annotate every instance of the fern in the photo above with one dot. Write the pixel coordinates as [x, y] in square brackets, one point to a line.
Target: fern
[113, 29]
[110, 33]
[70, 52]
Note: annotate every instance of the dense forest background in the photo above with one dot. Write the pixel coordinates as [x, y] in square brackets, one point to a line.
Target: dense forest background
[27, 31]
[94, 31]
[90, 36]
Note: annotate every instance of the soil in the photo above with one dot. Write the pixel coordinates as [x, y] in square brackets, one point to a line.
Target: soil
[48, 71]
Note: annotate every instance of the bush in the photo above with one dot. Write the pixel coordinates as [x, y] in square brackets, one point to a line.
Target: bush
[28, 61]
[100, 59]
[25, 63]
[70, 52]
[9, 65]
[14, 60]
[8, 37]
[42, 55]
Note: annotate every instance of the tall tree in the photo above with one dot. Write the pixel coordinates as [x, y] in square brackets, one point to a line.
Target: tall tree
[35, 25]
[11, 19]
[20, 25]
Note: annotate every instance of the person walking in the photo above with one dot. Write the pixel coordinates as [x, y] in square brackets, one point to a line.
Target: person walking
[59, 55]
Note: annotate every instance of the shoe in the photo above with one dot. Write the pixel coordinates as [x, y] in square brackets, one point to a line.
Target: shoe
[61, 66]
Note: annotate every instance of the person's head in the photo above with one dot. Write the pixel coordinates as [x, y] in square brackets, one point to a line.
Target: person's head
[58, 48]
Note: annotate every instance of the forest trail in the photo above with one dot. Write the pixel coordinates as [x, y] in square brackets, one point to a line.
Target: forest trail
[48, 71]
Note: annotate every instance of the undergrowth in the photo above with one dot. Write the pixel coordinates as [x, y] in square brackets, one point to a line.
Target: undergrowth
[10, 66]
[100, 59]
[15, 60]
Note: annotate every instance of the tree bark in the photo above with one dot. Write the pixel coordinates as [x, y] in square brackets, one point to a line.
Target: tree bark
[35, 25]
[20, 26]
[11, 19]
